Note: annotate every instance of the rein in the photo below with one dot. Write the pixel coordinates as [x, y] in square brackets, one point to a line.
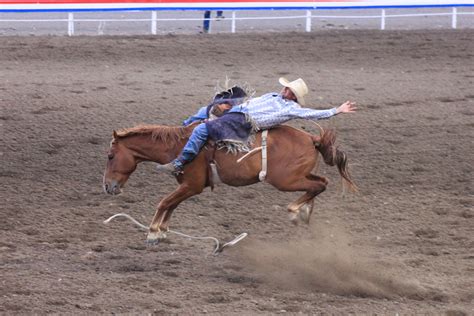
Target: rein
[218, 249]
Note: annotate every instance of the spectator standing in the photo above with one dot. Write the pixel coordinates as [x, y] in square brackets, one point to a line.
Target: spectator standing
[207, 19]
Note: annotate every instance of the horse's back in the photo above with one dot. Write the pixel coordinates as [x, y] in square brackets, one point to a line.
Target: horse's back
[289, 151]
[288, 134]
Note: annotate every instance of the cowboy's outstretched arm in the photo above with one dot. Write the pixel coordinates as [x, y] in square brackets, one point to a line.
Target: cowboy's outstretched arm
[311, 114]
[199, 116]
[307, 113]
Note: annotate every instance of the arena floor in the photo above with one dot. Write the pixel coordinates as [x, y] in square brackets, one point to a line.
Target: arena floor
[403, 244]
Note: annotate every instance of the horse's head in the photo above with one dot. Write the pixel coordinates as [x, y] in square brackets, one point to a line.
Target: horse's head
[141, 143]
[120, 164]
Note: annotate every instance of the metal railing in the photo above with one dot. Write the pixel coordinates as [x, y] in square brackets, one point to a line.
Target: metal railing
[308, 17]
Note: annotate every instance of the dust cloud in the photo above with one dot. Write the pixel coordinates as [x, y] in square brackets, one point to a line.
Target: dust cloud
[324, 261]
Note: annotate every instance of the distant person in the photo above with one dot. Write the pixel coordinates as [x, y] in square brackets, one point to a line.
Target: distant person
[207, 19]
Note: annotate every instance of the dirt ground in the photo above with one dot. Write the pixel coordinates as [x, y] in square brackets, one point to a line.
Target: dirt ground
[402, 245]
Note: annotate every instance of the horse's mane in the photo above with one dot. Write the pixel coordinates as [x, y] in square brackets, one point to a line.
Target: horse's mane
[168, 134]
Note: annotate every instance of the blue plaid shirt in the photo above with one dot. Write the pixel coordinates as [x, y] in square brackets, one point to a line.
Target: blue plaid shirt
[270, 110]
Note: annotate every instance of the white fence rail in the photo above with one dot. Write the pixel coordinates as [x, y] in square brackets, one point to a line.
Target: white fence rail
[308, 17]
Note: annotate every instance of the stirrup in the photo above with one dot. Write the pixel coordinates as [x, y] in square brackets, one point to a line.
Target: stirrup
[171, 168]
[177, 172]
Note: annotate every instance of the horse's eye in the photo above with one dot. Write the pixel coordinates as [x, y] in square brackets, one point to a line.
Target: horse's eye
[111, 156]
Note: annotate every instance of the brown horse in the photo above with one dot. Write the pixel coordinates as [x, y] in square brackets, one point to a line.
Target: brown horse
[292, 155]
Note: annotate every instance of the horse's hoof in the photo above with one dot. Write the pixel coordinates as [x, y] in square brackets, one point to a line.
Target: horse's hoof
[305, 213]
[152, 242]
[154, 238]
[294, 218]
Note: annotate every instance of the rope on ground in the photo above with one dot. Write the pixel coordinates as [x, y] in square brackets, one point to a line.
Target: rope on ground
[217, 249]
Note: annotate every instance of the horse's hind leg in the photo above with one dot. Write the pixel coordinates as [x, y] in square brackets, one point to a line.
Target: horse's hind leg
[313, 185]
[302, 208]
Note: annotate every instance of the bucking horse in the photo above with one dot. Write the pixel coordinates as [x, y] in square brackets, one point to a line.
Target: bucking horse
[292, 156]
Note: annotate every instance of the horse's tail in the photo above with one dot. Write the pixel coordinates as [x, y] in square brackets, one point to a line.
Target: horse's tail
[333, 156]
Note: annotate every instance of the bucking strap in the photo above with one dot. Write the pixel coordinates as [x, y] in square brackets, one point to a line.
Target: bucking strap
[210, 152]
[262, 175]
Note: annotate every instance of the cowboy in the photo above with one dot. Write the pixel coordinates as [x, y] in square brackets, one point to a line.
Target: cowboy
[221, 104]
[264, 112]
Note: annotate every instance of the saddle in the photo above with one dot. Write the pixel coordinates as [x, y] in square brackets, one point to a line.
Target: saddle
[212, 147]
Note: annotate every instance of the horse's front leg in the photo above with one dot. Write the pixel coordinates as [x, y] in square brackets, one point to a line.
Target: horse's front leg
[159, 224]
[155, 234]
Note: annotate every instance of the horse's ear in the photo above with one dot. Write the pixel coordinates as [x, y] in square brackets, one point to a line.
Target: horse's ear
[115, 135]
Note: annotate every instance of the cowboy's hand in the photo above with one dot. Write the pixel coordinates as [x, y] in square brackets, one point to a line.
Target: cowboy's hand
[219, 109]
[346, 107]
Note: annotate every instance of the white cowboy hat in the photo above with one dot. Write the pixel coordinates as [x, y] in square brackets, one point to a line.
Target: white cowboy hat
[298, 87]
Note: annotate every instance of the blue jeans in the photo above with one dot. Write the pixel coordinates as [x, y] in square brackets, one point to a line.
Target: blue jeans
[231, 126]
[197, 139]
[207, 21]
